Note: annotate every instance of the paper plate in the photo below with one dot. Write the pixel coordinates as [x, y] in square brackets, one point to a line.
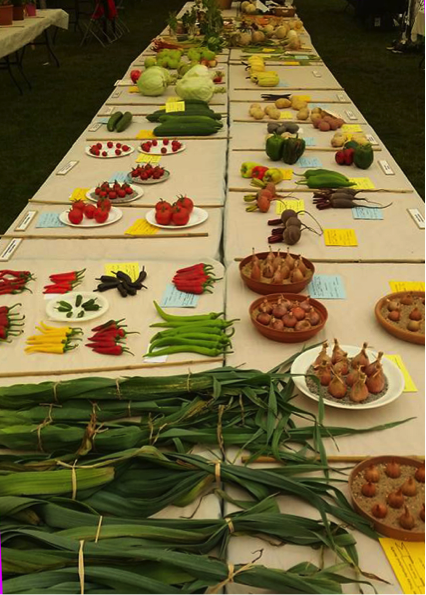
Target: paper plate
[52, 304]
[165, 177]
[197, 216]
[393, 374]
[110, 152]
[114, 216]
[137, 193]
[157, 150]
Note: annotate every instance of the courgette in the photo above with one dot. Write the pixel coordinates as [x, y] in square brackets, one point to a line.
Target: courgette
[124, 122]
[190, 110]
[172, 128]
[191, 120]
[113, 121]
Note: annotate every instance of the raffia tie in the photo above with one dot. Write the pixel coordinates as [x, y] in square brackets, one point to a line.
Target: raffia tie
[230, 525]
[48, 420]
[188, 386]
[217, 471]
[117, 384]
[98, 532]
[73, 477]
[81, 566]
[232, 573]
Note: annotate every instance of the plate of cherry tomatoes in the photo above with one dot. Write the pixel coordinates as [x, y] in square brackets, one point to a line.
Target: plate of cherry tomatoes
[88, 215]
[117, 193]
[182, 214]
[161, 147]
[109, 150]
[148, 174]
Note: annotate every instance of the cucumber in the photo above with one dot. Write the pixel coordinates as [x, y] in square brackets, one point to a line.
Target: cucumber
[190, 120]
[113, 121]
[124, 122]
[190, 110]
[173, 128]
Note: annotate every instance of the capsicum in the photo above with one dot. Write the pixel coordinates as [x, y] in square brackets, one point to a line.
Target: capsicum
[247, 168]
[259, 172]
[274, 147]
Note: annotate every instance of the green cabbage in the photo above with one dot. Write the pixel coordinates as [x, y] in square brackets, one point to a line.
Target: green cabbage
[154, 81]
[198, 87]
[199, 70]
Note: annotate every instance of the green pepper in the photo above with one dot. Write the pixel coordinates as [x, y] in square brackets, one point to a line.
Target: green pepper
[62, 309]
[69, 314]
[364, 156]
[186, 319]
[65, 305]
[274, 147]
[292, 149]
[208, 351]
[81, 314]
[78, 300]
[170, 341]
[91, 308]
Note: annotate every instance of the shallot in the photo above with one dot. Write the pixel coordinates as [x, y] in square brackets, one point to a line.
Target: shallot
[322, 356]
[353, 376]
[337, 353]
[289, 321]
[379, 511]
[415, 314]
[396, 499]
[393, 470]
[376, 383]
[395, 315]
[263, 318]
[420, 474]
[409, 487]
[406, 520]
[298, 312]
[277, 324]
[407, 299]
[337, 388]
[324, 373]
[372, 474]
[371, 369]
[368, 490]
[362, 357]
[279, 310]
[359, 391]
[314, 318]
[296, 275]
[342, 366]
[306, 305]
[302, 325]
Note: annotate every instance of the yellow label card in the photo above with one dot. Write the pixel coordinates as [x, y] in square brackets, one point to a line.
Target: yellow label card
[351, 128]
[130, 268]
[407, 559]
[362, 183]
[306, 98]
[286, 115]
[175, 106]
[407, 285]
[296, 205]
[141, 227]
[79, 194]
[287, 173]
[143, 158]
[340, 237]
[142, 134]
[134, 89]
[410, 387]
[291, 63]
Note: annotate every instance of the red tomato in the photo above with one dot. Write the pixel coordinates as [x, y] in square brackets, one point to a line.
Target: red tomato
[163, 204]
[134, 75]
[185, 202]
[75, 216]
[105, 204]
[180, 216]
[78, 204]
[163, 216]
[89, 211]
[100, 215]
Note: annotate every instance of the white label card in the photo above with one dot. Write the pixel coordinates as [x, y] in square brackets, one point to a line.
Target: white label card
[387, 170]
[94, 127]
[10, 249]
[108, 110]
[317, 74]
[341, 97]
[116, 94]
[418, 217]
[28, 217]
[68, 167]
[351, 115]
[371, 139]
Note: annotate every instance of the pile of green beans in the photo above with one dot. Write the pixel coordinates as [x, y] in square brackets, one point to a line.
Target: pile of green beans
[205, 334]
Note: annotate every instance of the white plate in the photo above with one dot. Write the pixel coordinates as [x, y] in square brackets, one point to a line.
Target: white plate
[393, 374]
[157, 150]
[53, 314]
[114, 216]
[111, 152]
[137, 193]
[197, 216]
[165, 177]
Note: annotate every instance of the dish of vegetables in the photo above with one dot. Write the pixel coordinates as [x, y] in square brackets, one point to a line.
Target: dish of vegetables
[77, 306]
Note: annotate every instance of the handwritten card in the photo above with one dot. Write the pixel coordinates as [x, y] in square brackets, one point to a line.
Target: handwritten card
[287, 173]
[282, 205]
[148, 158]
[407, 285]
[119, 176]
[145, 134]
[130, 268]
[175, 106]
[351, 128]
[367, 213]
[286, 115]
[410, 387]
[133, 89]
[308, 162]
[407, 559]
[327, 287]
[79, 194]
[310, 141]
[141, 227]
[340, 237]
[362, 183]
[47, 220]
[173, 298]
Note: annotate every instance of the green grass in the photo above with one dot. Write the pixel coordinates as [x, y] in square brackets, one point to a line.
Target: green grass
[40, 127]
[388, 88]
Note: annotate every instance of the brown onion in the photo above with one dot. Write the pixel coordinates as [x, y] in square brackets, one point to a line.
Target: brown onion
[277, 324]
[415, 314]
[256, 273]
[323, 355]
[361, 358]
[263, 318]
[279, 310]
[302, 325]
[290, 321]
[406, 520]
[409, 487]
[395, 315]
[359, 391]
[265, 306]
[368, 490]
[420, 474]
[289, 260]
[337, 353]
[296, 275]
[406, 299]
[372, 474]
[376, 383]
[298, 313]
[413, 326]
[396, 499]
[342, 366]
[337, 388]
[392, 305]
[301, 265]
[306, 305]
[268, 271]
[314, 318]
[393, 470]
[353, 376]
[379, 511]
[370, 369]
[324, 373]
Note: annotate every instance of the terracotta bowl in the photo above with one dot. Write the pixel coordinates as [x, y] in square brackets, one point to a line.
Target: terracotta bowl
[268, 288]
[380, 525]
[393, 329]
[286, 336]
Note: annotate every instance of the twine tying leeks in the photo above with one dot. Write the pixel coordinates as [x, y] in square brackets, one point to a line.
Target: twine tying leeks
[98, 532]
[81, 566]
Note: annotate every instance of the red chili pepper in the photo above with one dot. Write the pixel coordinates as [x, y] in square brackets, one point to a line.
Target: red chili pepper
[11, 273]
[110, 324]
[57, 288]
[201, 267]
[3, 332]
[6, 309]
[191, 278]
[115, 350]
[71, 276]
[105, 344]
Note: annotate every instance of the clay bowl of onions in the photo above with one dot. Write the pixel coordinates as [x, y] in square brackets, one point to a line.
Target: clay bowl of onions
[402, 315]
[272, 272]
[288, 317]
[389, 491]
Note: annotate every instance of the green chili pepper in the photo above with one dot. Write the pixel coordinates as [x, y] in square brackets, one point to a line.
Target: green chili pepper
[210, 352]
[69, 314]
[184, 341]
[92, 308]
[171, 318]
[89, 303]
[81, 314]
[65, 305]
[78, 300]
[189, 328]
[219, 323]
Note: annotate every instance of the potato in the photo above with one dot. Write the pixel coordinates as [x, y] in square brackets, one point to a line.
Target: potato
[274, 113]
[303, 114]
[282, 103]
[340, 122]
[270, 108]
[316, 110]
[297, 103]
[324, 126]
[316, 119]
[338, 140]
[258, 114]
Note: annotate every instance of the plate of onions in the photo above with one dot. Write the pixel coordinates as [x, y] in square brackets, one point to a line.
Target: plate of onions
[347, 376]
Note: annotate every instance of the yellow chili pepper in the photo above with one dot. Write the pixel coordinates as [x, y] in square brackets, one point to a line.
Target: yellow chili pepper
[47, 348]
[42, 339]
[59, 331]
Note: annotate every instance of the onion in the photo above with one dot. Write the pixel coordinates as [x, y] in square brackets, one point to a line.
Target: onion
[376, 383]
[324, 373]
[353, 376]
[342, 366]
[337, 388]
[372, 474]
[289, 321]
[393, 470]
[422, 513]
[359, 391]
[268, 271]
[278, 260]
[396, 499]
[337, 353]
[372, 368]
[277, 324]
[392, 305]
[415, 314]
[256, 273]
[406, 520]
[420, 474]
[296, 275]
[413, 326]
[409, 488]
[298, 313]
[407, 299]
[362, 357]
[279, 310]
[306, 305]
[379, 511]
[395, 315]
[302, 325]
[302, 267]
[322, 356]
[265, 306]
[368, 490]
[263, 318]
[314, 318]
[289, 260]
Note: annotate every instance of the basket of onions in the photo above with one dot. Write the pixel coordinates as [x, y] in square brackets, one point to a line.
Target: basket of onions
[287, 317]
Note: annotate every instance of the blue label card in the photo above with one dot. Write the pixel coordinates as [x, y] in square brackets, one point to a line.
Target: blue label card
[323, 106]
[310, 141]
[118, 176]
[103, 120]
[327, 287]
[367, 213]
[309, 162]
[173, 298]
[301, 57]
[282, 84]
[46, 220]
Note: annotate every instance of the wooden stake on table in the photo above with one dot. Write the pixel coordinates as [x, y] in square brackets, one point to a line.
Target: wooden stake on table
[330, 459]
[110, 368]
[111, 237]
[273, 101]
[130, 205]
[306, 189]
[289, 121]
[314, 148]
[133, 138]
[285, 89]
